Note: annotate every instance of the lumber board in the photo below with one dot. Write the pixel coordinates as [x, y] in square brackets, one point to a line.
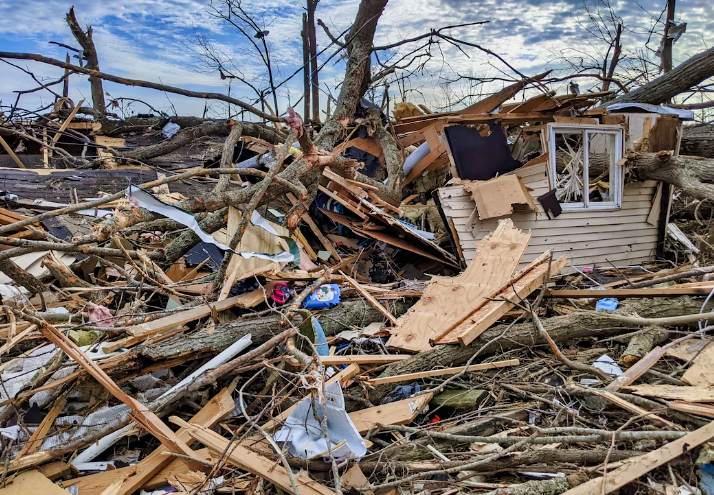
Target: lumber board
[692, 408]
[492, 102]
[11, 153]
[636, 467]
[370, 298]
[38, 436]
[623, 293]
[316, 230]
[344, 375]
[494, 309]
[629, 406]
[253, 462]
[140, 474]
[637, 370]
[701, 370]
[446, 299]
[674, 392]
[66, 122]
[95, 484]
[400, 412]
[424, 163]
[443, 372]
[347, 204]
[363, 359]
[147, 419]
[142, 331]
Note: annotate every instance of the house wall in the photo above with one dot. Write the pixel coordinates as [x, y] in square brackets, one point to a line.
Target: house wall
[622, 236]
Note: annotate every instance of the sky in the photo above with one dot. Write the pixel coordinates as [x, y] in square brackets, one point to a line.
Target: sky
[156, 40]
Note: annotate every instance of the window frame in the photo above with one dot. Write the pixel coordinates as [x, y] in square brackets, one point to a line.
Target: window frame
[616, 186]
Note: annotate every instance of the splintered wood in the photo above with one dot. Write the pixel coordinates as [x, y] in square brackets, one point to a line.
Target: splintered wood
[447, 299]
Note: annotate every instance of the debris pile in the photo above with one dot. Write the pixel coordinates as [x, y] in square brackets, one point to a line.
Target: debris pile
[492, 300]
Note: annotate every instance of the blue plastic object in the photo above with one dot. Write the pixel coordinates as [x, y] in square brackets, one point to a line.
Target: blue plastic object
[326, 296]
[607, 304]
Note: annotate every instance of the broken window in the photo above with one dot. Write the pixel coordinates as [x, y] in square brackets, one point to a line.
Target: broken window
[583, 166]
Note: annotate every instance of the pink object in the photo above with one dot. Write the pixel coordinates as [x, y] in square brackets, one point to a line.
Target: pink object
[281, 293]
[100, 315]
[293, 121]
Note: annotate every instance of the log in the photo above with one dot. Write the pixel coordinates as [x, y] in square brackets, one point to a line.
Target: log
[692, 174]
[686, 75]
[698, 140]
[641, 344]
[560, 328]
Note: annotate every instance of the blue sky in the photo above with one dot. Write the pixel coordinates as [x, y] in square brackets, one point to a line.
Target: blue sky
[155, 40]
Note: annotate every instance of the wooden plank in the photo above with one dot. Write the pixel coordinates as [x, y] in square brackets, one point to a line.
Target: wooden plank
[446, 371]
[142, 331]
[363, 359]
[400, 412]
[253, 462]
[636, 467]
[691, 408]
[645, 292]
[629, 406]
[216, 409]
[11, 153]
[95, 484]
[147, 419]
[674, 392]
[347, 204]
[370, 298]
[489, 104]
[701, 371]
[446, 299]
[637, 370]
[66, 122]
[38, 436]
[494, 310]
[342, 377]
[424, 163]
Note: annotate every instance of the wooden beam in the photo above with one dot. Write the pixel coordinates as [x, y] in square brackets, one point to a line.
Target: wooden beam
[644, 292]
[147, 419]
[250, 461]
[446, 371]
[347, 204]
[494, 307]
[66, 122]
[489, 104]
[316, 230]
[636, 467]
[637, 370]
[363, 359]
[35, 441]
[216, 409]
[674, 392]
[370, 298]
[11, 153]
[142, 331]
[400, 412]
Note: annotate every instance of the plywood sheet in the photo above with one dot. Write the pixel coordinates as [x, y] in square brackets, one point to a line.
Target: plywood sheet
[701, 371]
[497, 197]
[447, 299]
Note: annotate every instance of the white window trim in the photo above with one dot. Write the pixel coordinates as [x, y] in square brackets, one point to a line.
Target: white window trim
[616, 186]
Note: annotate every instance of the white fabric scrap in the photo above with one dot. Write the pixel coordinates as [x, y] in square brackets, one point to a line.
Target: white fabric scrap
[303, 434]
[607, 365]
[170, 129]
[11, 432]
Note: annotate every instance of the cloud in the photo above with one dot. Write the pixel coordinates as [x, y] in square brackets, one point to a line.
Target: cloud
[153, 40]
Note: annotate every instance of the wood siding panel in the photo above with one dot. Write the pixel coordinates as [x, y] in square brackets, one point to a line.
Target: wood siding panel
[584, 237]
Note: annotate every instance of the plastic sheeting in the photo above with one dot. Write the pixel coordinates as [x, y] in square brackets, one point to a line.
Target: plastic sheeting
[303, 434]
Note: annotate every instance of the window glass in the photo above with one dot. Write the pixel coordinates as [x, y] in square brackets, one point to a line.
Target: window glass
[570, 165]
[601, 164]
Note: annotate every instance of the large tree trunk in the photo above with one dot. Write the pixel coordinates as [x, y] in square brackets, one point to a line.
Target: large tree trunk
[560, 328]
[90, 54]
[695, 175]
[688, 74]
[698, 140]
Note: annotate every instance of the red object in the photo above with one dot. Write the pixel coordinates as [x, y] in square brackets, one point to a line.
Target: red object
[435, 419]
[281, 293]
